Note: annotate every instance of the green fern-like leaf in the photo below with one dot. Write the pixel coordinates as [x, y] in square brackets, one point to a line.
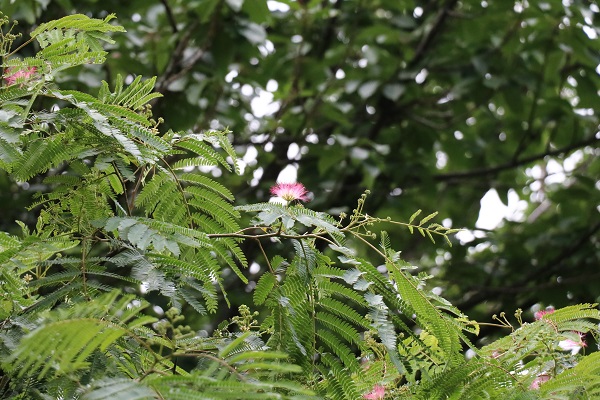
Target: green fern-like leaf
[9, 153]
[215, 206]
[142, 231]
[118, 389]
[202, 151]
[340, 327]
[427, 314]
[73, 348]
[338, 379]
[583, 378]
[79, 22]
[263, 289]
[191, 297]
[204, 269]
[345, 311]
[570, 313]
[40, 156]
[242, 368]
[339, 348]
[136, 95]
[8, 93]
[473, 379]
[64, 344]
[93, 31]
[159, 187]
[208, 183]
[330, 288]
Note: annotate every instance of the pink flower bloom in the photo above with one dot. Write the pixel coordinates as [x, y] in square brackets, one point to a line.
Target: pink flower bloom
[540, 314]
[290, 191]
[20, 75]
[572, 345]
[377, 393]
[539, 380]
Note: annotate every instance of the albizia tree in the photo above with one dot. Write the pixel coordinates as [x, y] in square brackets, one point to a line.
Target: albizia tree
[132, 239]
[430, 104]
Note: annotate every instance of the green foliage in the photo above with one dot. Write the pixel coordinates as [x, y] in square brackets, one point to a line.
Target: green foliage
[129, 224]
[509, 366]
[67, 338]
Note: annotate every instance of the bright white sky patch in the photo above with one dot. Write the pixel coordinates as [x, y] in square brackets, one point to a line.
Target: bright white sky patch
[250, 156]
[264, 105]
[254, 268]
[442, 159]
[230, 75]
[421, 76]
[272, 85]
[247, 90]
[256, 175]
[293, 151]
[277, 6]
[590, 32]
[493, 211]
[288, 175]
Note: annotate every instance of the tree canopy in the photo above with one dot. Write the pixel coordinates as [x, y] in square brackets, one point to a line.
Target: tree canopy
[428, 105]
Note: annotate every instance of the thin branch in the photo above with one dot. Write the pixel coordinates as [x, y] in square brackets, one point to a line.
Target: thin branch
[513, 164]
[19, 48]
[262, 250]
[510, 290]
[175, 58]
[217, 360]
[482, 293]
[565, 254]
[178, 67]
[170, 16]
[272, 234]
[432, 33]
[530, 134]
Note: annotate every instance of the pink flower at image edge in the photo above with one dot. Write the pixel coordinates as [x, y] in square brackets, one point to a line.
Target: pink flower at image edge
[19, 74]
[290, 191]
[377, 393]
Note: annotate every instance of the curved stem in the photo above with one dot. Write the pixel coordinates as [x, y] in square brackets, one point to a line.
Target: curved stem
[20, 47]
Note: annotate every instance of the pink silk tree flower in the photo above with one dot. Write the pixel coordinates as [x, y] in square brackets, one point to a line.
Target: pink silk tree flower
[572, 345]
[15, 75]
[290, 191]
[378, 393]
